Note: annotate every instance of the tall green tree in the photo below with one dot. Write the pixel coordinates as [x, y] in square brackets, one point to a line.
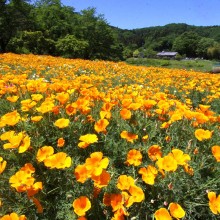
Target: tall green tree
[14, 17]
[187, 44]
[203, 45]
[95, 30]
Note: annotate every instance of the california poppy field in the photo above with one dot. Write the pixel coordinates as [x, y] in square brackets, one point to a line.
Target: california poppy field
[101, 140]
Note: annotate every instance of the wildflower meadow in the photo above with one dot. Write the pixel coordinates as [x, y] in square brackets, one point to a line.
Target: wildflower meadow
[84, 139]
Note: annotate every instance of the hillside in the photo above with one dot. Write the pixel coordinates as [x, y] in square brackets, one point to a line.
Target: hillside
[160, 38]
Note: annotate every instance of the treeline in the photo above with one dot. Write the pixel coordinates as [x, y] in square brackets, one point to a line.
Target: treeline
[49, 27]
[187, 40]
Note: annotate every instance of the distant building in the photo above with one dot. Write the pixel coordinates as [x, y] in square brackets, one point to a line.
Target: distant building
[165, 54]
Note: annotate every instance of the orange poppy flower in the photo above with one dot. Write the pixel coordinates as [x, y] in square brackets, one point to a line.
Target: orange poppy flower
[102, 180]
[60, 142]
[137, 193]
[59, 160]
[100, 125]
[95, 164]
[214, 202]
[44, 152]
[162, 214]
[13, 98]
[13, 216]
[3, 164]
[82, 218]
[180, 157]
[28, 168]
[62, 123]
[71, 109]
[129, 136]
[21, 181]
[36, 97]
[116, 202]
[11, 118]
[62, 97]
[202, 134]
[25, 144]
[148, 174]
[176, 210]
[154, 152]
[167, 163]
[125, 182]
[87, 139]
[216, 152]
[14, 140]
[34, 189]
[36, 118]
[81, 205]
[81, 173]
[125, 113]
[46, 106]
[134, 157]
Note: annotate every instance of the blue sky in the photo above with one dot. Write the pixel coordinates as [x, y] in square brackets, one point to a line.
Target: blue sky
[130, 14]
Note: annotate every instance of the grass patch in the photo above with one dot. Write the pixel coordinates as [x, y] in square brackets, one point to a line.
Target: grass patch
[196, 65]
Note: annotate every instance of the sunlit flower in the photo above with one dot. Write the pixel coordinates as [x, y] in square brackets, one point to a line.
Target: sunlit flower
[59, 160]
[125, 113]
[62, 123]
[81, 173]
[167, 163]
[129, 136]
[137, 193]
[13, 216]
[36, 118]
[134, 157]
[62, 97]
[154, 152]
[216, 152]
[148, 174]
[3, 164]
[102, 180]
[202, 134]
[87, 139]
[180, 157]
[60, 142]
[44, 152]
[162, 214]
[81, 205]
[116, 201]
[100, 125]
[176, 210]
[36, 97]
[214, 202]
[11, 118]
[125, 182]
[95, 164]
[13, 98]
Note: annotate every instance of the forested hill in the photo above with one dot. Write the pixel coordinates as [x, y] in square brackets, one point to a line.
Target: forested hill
[172, 37]
[49, 27]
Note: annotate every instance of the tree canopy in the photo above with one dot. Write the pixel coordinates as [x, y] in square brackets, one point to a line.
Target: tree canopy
[49, 27]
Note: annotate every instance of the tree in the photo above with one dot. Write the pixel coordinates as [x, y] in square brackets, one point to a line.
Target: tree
[53, 19]
[71, 47]
[203, 46]
[95, 30]
[214, 52]
[187, 43]
[14, 17]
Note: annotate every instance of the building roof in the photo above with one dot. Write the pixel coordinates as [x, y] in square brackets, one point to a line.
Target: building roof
[163, 53]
